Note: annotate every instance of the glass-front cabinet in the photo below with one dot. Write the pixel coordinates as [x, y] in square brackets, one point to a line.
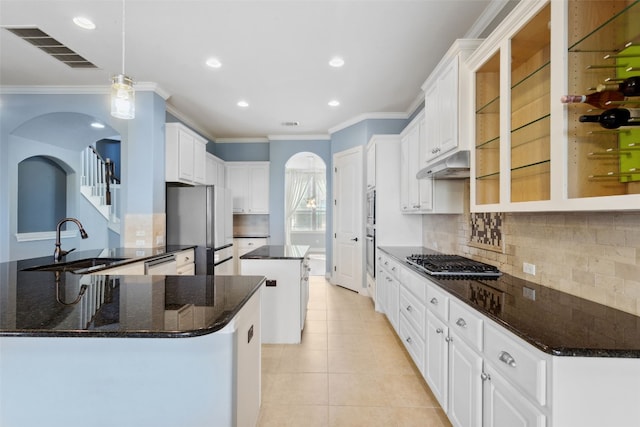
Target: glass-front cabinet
[536, 153]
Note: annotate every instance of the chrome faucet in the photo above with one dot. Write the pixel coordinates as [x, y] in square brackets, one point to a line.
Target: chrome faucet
[58, 254]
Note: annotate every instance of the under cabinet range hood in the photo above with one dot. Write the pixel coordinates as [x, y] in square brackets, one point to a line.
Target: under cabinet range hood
[455, 166]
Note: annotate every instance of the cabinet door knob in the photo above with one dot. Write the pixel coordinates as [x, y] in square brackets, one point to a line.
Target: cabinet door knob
[448, 339]
[355, 239]
[434, 301]
[439, 331]
[461, 323]
[507, 358]
[408, 340]
[409, 308]
[485, 377]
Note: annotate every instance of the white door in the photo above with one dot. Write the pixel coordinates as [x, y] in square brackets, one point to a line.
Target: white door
[348, 222]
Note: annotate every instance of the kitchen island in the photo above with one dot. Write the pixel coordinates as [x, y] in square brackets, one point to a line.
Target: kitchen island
[286, 292]
[128, 350]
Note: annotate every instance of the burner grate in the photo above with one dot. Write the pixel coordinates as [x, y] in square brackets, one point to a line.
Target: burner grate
[452, 266]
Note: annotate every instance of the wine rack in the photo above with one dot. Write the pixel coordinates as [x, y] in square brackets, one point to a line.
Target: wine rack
[604, 45]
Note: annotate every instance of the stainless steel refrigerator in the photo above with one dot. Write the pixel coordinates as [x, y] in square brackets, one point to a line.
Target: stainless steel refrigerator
[202, 216]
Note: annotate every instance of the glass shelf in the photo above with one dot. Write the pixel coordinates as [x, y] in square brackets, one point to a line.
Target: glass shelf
[486, 144]
[492, 107]
[494, 175]
[531, 165]
[622, 29]
[543, 68]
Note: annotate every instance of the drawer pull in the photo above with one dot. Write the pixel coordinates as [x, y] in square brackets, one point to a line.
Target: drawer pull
[408, 340]
[485, 377]
[439, 331]
[461, 323]
[393, 269]
[434, 301]
[507, 358]
[409, 308]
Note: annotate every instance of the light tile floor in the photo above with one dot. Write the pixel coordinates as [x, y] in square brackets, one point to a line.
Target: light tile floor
[349, 370]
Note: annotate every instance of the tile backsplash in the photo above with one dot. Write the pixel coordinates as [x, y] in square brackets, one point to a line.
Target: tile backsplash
[594, 255]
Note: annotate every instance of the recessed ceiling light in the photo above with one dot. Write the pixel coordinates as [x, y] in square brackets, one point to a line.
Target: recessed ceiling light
[243, 104]
[85, 23]
[334, 103]
[97, 125]
[214, 63]
[336, 62]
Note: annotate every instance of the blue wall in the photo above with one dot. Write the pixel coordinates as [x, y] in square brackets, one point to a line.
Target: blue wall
[242, 151]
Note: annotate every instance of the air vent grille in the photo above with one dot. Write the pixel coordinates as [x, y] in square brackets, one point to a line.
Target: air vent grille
[293, 123]
[51, 46]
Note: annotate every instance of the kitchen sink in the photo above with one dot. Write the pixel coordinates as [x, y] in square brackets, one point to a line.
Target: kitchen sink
[81, 264]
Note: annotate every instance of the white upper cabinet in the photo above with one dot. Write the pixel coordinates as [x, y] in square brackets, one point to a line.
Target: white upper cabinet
[185, 155]
[447, 93]
[531, 152]
[249, 184]
[424, 196]
[215, 171]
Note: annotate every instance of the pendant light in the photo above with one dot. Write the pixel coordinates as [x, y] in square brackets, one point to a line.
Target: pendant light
[123, 96]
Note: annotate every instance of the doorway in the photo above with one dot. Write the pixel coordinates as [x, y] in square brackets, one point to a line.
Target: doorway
[306, 207]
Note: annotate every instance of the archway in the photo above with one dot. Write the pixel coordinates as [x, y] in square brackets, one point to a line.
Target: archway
[306, 207]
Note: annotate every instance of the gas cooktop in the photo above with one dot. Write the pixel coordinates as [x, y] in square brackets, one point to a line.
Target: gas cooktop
[452, 266]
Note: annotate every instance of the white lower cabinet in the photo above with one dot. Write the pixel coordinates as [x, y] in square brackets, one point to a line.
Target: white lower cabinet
[504, 406]
[483, 375]
[465, 385]
[437, 358]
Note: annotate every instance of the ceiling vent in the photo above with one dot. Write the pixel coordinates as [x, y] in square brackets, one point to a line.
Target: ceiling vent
[51, 46]
[290, 123]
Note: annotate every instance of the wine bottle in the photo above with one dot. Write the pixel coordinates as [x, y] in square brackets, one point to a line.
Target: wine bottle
[628, 87]
[612, 118]
[596, 99]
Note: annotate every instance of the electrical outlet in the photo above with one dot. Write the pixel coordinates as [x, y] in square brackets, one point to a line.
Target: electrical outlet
[529, 268]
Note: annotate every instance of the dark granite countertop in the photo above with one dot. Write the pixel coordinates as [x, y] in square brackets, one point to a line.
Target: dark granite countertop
[554, 322]
[46, 303]
[128, 256]
[277, 252]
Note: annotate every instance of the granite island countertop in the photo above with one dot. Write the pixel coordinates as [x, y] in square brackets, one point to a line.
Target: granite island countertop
[554, 322]
[50, 304]
[278, 252]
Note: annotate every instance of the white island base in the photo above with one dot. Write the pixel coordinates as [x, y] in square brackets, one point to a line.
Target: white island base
[201, 381]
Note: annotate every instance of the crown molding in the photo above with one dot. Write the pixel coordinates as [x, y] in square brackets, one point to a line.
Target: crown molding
[319, 137]
[367, 116]
[486, 18]
[188, 122]
[241, 140]
[80, 90]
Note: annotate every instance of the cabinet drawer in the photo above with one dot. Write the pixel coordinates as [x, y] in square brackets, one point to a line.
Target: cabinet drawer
[415, 283]
[412, 341]
[413, 309]
[465, 323]
[438, 301]
[184, 257]
[186, 270]
[392, 267]
[521, 365]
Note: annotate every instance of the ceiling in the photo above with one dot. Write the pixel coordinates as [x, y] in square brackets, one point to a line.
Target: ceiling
[274, 55]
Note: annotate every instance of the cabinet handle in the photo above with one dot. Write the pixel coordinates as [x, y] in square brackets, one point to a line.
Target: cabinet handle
[408, 340]
[461, 323]
[485, 377]
[409, 308]
[439, 331]
[434, 301]
[393, 269]
[386, 263]
[448, 339]
[507, 358]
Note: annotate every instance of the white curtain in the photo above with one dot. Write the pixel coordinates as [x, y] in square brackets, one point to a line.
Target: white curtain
[296, 184]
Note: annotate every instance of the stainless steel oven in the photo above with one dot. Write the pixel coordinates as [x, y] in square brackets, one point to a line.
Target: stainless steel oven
[370, 250]
[371, 208]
